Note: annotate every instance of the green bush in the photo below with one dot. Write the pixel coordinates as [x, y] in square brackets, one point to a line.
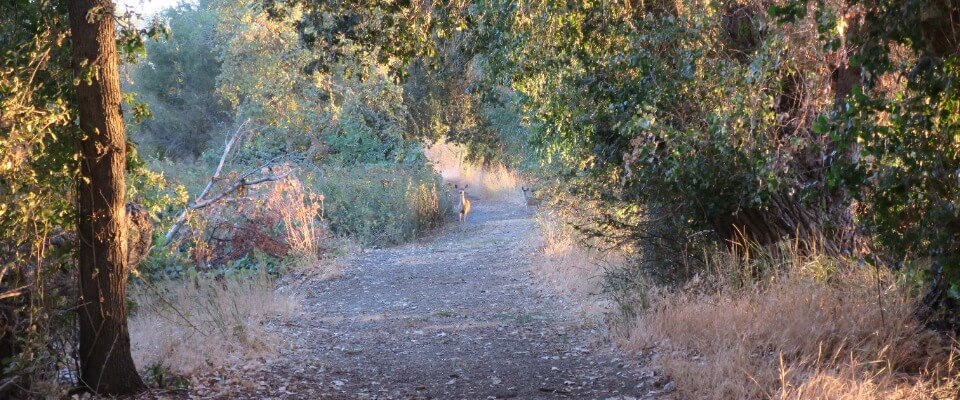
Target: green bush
[381, 204]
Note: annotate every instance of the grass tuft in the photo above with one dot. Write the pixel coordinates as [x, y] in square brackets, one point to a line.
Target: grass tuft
[205, 322]
[801, 333]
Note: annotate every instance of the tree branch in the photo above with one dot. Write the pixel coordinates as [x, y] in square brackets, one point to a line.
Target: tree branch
[202, 201]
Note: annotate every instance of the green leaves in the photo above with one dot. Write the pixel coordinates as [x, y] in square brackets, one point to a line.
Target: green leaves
[789, 11]
[177, 111]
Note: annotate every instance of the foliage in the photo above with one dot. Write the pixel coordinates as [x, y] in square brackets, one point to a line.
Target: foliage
[696, 110]
[152, 190]
[708, 112]
[371, 33]
[380, 204]
[370, 124]
[37, 168]
[177, 81]
[902, 125]
[322, 114]
[263, 79]
[431, 48]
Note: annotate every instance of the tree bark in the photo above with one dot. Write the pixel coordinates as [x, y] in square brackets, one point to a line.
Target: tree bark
[105, 361]
[826, 228]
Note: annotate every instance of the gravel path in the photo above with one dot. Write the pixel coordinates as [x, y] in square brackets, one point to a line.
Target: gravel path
[458, 316]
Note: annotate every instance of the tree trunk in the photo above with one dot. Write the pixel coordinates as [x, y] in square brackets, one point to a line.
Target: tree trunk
[825, 229]
[105, 361]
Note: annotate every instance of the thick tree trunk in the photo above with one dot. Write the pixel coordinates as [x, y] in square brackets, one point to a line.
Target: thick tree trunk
[105, 361]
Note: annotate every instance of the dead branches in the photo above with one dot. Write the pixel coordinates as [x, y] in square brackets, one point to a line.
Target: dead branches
[239, 184]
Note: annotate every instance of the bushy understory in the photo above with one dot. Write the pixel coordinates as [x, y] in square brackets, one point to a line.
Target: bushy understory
[742, 123]
[820, 135]
[817, 134]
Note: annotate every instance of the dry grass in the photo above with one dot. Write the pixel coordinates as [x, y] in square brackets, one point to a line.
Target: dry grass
[298, 210]
[495, 182]
[201, 323]
[570, 267]
[814, 331]
[567, 265]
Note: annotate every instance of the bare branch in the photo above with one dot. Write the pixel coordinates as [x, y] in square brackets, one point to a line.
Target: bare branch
[216, 176]
[198, 203]
[14, 292]
[202, 201]
[237, 185]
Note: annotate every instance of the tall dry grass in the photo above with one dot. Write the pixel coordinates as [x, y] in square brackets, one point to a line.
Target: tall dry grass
[569, 267]
[204, 322]
[425, 204]
[492, 182]
[813, 329]
[571, 263]
[299, 211]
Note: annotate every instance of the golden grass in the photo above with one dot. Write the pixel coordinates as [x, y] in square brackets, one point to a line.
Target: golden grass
[569, 267]
[495, 182]
[799, 334]
[299, 210]
[203, 323]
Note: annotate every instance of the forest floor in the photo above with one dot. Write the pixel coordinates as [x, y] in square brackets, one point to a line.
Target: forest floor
[458, 315]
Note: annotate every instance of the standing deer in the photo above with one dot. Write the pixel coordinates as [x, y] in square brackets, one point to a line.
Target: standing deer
[464, 207]
[533, 200]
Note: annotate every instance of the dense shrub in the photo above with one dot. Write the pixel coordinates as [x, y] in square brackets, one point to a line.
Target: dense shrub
[835, 127]
[381, 204]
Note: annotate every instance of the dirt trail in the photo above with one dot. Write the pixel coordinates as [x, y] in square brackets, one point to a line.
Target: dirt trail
[458, 316]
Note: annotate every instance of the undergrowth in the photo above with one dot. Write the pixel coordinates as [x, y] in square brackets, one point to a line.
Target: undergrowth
[205, 321]
[380, 204]
[774, 323]
[788, 326]
[569, 267]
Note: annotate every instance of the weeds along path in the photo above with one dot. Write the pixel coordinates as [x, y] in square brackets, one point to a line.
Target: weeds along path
[457, 316]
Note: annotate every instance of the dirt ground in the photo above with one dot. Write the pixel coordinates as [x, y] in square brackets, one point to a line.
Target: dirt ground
[456, 316]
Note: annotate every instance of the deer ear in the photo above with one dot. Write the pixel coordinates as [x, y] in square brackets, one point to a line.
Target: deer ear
[466, 186]
[455, 186]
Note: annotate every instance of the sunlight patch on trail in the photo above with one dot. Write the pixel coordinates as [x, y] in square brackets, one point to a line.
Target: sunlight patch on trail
[495, 182]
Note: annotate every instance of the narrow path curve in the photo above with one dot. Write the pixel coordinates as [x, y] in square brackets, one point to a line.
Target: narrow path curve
[458, 316]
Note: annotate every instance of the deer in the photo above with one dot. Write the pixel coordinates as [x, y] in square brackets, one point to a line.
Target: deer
[530, 196]
[464, 207]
